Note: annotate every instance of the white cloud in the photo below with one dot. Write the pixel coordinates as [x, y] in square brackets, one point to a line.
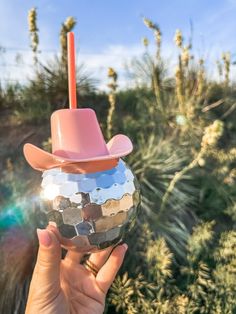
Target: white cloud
[113, 56]
[116, 56]
[96, 64]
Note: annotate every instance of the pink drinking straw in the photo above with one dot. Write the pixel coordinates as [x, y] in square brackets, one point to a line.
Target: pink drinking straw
[71, 70]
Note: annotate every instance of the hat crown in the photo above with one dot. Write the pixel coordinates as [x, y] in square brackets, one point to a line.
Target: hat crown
[76, 134]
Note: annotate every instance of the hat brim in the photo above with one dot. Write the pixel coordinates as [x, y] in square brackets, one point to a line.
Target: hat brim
[119, 146]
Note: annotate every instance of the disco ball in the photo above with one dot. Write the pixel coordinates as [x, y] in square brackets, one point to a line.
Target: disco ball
[92, 211]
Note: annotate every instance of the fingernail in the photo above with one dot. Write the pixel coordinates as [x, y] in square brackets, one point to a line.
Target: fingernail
[125, 246]
[44, 237]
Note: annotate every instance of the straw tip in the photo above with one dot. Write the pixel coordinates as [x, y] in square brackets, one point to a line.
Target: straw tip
[70, 34]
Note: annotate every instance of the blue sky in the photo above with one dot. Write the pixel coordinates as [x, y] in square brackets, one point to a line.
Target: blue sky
[110, 31]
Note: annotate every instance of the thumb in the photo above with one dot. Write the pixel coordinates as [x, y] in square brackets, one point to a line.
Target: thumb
[47, 266]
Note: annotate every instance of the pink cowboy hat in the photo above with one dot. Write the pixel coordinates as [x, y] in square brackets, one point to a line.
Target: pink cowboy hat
[78, 144]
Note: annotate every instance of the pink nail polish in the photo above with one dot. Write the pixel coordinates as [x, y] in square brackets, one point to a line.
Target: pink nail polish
[125, 246]
[44, 237]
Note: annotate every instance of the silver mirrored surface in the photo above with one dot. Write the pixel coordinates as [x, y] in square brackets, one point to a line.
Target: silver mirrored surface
[92, 210]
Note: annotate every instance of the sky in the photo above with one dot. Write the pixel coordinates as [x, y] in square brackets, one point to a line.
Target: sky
[109, 32]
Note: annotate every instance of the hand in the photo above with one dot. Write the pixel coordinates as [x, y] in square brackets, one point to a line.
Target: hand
[66, 286]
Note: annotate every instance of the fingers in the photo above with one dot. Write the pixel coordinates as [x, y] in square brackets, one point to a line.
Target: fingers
[73, 257]
[48, 261]
[45, 283]
[100, 258]
[107, 273]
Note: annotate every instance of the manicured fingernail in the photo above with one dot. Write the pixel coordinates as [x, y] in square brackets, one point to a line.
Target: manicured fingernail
[44, 237]
[125, 246]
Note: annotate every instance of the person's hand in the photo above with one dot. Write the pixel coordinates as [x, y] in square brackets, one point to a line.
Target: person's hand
[62, 286]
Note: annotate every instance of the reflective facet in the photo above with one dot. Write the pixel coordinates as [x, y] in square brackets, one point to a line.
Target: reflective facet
[67, 231]
[60, 203]
[84, 228]
[55, 216]
[92, 210]
[76, 198]
[71, 215]
[68, 188]
[111, 207]
[106, 223]
[87, 185]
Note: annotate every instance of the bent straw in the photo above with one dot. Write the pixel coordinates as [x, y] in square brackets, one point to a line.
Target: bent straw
[71, 70]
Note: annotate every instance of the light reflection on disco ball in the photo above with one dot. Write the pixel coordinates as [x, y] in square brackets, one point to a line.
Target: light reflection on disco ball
[92, 211]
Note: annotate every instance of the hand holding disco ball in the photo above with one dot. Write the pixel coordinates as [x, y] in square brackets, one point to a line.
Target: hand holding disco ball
[91, 195]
